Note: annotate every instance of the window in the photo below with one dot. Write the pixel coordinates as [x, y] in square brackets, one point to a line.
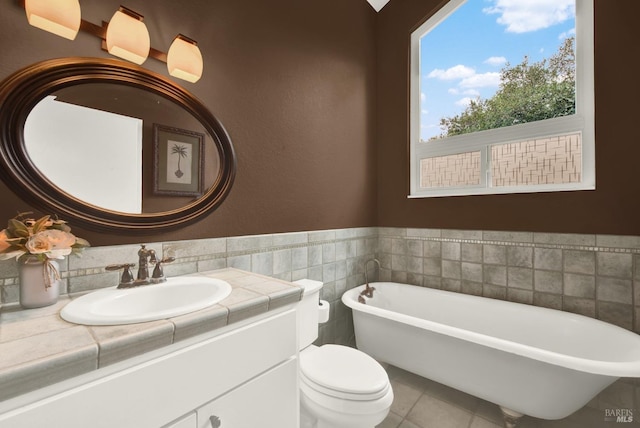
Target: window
[502, 98]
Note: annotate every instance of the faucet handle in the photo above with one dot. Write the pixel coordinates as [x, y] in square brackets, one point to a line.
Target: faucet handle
[127, 276]
[158, 273]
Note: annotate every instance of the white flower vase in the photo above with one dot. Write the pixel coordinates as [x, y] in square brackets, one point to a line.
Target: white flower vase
[39, 282]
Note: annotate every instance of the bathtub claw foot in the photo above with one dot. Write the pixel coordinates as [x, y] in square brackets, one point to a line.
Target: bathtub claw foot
[511, 418]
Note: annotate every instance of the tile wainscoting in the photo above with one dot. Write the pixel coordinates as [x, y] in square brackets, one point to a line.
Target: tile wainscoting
[593, 275]
[335, 257]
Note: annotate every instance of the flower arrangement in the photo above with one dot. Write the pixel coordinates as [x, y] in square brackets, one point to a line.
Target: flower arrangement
[45, 238]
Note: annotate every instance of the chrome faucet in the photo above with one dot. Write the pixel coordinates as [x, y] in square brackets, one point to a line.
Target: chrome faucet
[145, 257]
[368, 290]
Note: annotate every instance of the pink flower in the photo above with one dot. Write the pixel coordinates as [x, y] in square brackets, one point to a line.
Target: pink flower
[55, 244]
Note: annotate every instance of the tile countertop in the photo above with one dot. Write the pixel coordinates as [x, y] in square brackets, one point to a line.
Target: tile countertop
[39, 348]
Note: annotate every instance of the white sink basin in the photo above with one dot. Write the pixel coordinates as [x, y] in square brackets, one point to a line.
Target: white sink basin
[177, 296]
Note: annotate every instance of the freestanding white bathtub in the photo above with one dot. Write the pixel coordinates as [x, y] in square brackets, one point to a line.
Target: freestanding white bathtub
[529, 360]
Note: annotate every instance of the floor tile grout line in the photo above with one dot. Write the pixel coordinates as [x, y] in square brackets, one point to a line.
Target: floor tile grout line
[405, 417]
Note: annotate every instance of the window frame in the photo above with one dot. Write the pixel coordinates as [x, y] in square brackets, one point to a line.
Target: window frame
[583, 121]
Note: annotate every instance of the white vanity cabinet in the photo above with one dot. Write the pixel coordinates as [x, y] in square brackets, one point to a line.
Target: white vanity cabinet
[264, 402]
[189, 421]
[245, 376]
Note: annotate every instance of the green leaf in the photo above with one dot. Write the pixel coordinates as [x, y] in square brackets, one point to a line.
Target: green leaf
[18, 228]
[39, 225]
[60, 225]
[81, 243]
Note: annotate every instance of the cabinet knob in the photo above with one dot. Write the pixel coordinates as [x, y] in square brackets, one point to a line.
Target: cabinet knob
[215, 422]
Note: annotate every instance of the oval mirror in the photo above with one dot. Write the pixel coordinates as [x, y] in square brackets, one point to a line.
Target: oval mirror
[111, 145]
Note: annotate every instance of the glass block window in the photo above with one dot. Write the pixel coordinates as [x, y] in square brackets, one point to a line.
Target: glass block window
[461, 169]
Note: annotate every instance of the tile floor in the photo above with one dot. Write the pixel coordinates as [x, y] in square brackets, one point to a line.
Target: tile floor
[422, 403]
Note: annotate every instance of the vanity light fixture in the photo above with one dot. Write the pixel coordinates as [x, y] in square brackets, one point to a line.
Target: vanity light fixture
[61, 17]
[127, 37]
[184, 59]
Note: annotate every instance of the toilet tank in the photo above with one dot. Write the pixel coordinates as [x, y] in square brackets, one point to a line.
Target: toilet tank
[308, 312]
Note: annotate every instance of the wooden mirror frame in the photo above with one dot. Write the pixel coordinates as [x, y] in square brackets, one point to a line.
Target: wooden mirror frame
[20, 92]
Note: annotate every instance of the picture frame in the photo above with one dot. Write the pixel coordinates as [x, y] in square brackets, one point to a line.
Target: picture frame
[178, 161]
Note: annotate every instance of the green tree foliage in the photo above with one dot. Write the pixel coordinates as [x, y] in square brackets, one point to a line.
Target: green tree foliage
[527, 93]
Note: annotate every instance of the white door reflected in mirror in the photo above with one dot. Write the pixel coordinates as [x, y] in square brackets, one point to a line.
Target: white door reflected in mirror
[67, 141]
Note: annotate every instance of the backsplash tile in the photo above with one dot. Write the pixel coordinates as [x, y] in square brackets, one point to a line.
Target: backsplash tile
[614, 290]
[335, 257]
[593, 275]
[520, 256]
[580, 262]
[194, 248]
[548, 281]
[451, 250]
[520, 278]
[564, 239]
[547, 259]
[507, 236]
[494, 254]
[578, 285]
[614, 264]
[470, 252]
[471, 272]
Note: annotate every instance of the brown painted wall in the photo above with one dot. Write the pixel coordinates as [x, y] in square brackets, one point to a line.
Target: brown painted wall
[293, 83]
[613, 208]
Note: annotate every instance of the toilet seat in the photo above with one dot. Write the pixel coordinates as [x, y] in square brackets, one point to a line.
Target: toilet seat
[343, 372]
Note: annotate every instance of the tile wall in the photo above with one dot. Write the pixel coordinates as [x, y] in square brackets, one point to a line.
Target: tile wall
[335, 257]
[593, 275]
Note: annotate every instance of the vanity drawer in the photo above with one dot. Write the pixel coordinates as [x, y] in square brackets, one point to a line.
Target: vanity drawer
[267, 401]
[156, 392]
[189, 421]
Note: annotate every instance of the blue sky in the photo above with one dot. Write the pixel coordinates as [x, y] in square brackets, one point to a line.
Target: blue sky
[461, 58]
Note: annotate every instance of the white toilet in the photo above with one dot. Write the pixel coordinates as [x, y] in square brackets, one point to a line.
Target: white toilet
[340, 387]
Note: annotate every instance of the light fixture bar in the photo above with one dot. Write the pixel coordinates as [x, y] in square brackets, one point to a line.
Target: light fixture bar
[100, 32]
[174, 58]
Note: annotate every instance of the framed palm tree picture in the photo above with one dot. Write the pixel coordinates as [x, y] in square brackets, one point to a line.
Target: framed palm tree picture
[178, 161]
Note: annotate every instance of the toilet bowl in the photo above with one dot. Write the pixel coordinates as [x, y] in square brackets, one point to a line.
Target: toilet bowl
[340, 387]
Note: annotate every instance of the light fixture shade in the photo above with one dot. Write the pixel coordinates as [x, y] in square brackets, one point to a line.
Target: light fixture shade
[127, 36]
[61, 17]
[184, 59]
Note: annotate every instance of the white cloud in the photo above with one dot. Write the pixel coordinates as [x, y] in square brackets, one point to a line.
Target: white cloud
[470, 92]
[429, 126]
[522, 16]
[481, 80]
[424, 111]
[496, 61]
[567, 34]
[464, 102]
[456, 72]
